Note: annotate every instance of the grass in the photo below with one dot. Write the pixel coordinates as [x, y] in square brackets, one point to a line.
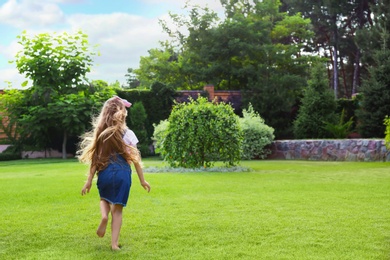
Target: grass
[279, 210]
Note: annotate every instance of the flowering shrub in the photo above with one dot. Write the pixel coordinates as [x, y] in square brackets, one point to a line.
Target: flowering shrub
[201, 132]
[257, 135]
[159, 134]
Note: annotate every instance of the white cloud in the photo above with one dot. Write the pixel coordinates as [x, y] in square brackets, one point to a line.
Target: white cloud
[213, 4]
[70, 1]
[10, 75]
[27, 13]
[122, 39]
[9, 51]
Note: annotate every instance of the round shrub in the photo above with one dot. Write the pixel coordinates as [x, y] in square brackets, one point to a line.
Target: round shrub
[257, 135]
[202, 132]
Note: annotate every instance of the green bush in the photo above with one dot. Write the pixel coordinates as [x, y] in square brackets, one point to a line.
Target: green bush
[318, 106]
[9, 156]
[340, 130]
[201, 132]
[349, 106]
[10, 153]
[387, 131]
[5, 140]
[159, 134]
[256, 135]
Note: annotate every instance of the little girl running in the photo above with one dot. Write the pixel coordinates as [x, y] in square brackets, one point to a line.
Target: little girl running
[109, 149]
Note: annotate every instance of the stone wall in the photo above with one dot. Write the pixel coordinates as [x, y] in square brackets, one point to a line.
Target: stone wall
[331, 150]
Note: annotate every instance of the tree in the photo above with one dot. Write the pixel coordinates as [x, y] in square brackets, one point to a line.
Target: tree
[60, 99]
[131, 80]
[56, 64]
[335, 24]
[201, 132]
[254, 48]
[282, 73]
[375, 104]
[162, 66]
[11, 105]
[317, 108]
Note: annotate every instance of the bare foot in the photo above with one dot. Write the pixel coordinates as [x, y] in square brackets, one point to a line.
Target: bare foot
[115, 248]
[102, 227]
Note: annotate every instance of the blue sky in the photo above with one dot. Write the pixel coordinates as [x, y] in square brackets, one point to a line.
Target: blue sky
[124, 30]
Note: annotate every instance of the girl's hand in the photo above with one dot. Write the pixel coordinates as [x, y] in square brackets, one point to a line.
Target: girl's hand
[145, 185]
[86, 188]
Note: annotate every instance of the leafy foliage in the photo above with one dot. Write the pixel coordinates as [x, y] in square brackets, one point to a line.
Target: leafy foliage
[201, 132]
[159, 134]
[65, 117]
[11, 153]
[387, 131]
[262, 56]
[257, 135]
[157, 101]
[318, 106]
[340, 130]
[336, 27]
[136, 121]
[375, 104]
[55, 63]
[11, 106]
[59, 98]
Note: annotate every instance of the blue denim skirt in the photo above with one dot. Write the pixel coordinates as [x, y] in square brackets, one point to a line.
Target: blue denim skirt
[114, 181]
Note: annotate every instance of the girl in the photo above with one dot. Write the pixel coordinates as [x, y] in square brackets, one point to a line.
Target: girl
[110, 148]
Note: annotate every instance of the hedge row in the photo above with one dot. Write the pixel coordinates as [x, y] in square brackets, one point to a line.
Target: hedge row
[157, 102]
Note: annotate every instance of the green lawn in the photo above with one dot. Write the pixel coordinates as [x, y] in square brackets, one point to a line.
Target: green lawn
[279, 210]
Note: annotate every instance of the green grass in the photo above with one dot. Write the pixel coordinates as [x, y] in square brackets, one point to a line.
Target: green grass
[279, 210]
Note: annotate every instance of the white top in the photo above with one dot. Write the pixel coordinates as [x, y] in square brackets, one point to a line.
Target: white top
[130, 138]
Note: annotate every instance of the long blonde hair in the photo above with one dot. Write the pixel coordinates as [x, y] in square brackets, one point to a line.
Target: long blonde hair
[105, 140]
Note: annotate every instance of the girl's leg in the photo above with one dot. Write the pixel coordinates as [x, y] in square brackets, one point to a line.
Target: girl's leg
[104, 210]
[116, 224]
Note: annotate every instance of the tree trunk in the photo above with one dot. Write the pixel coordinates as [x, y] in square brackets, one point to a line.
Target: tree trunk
[346, 92]
[356, 73]
[64, 140]
[335, 57]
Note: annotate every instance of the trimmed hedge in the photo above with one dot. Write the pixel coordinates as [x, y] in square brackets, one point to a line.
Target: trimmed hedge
[9, 156]
[158, 103]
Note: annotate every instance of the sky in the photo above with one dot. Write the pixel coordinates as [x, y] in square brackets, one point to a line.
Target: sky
[124, 30]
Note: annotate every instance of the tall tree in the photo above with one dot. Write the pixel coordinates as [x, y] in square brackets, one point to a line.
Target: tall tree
[317, 108]
[335, 24]
[375, 105]
[359, 19]
[162, 65]
[57, 66]
[255, 48]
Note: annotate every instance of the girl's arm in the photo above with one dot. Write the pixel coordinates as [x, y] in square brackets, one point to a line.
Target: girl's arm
[141, 177]
[88, 184]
